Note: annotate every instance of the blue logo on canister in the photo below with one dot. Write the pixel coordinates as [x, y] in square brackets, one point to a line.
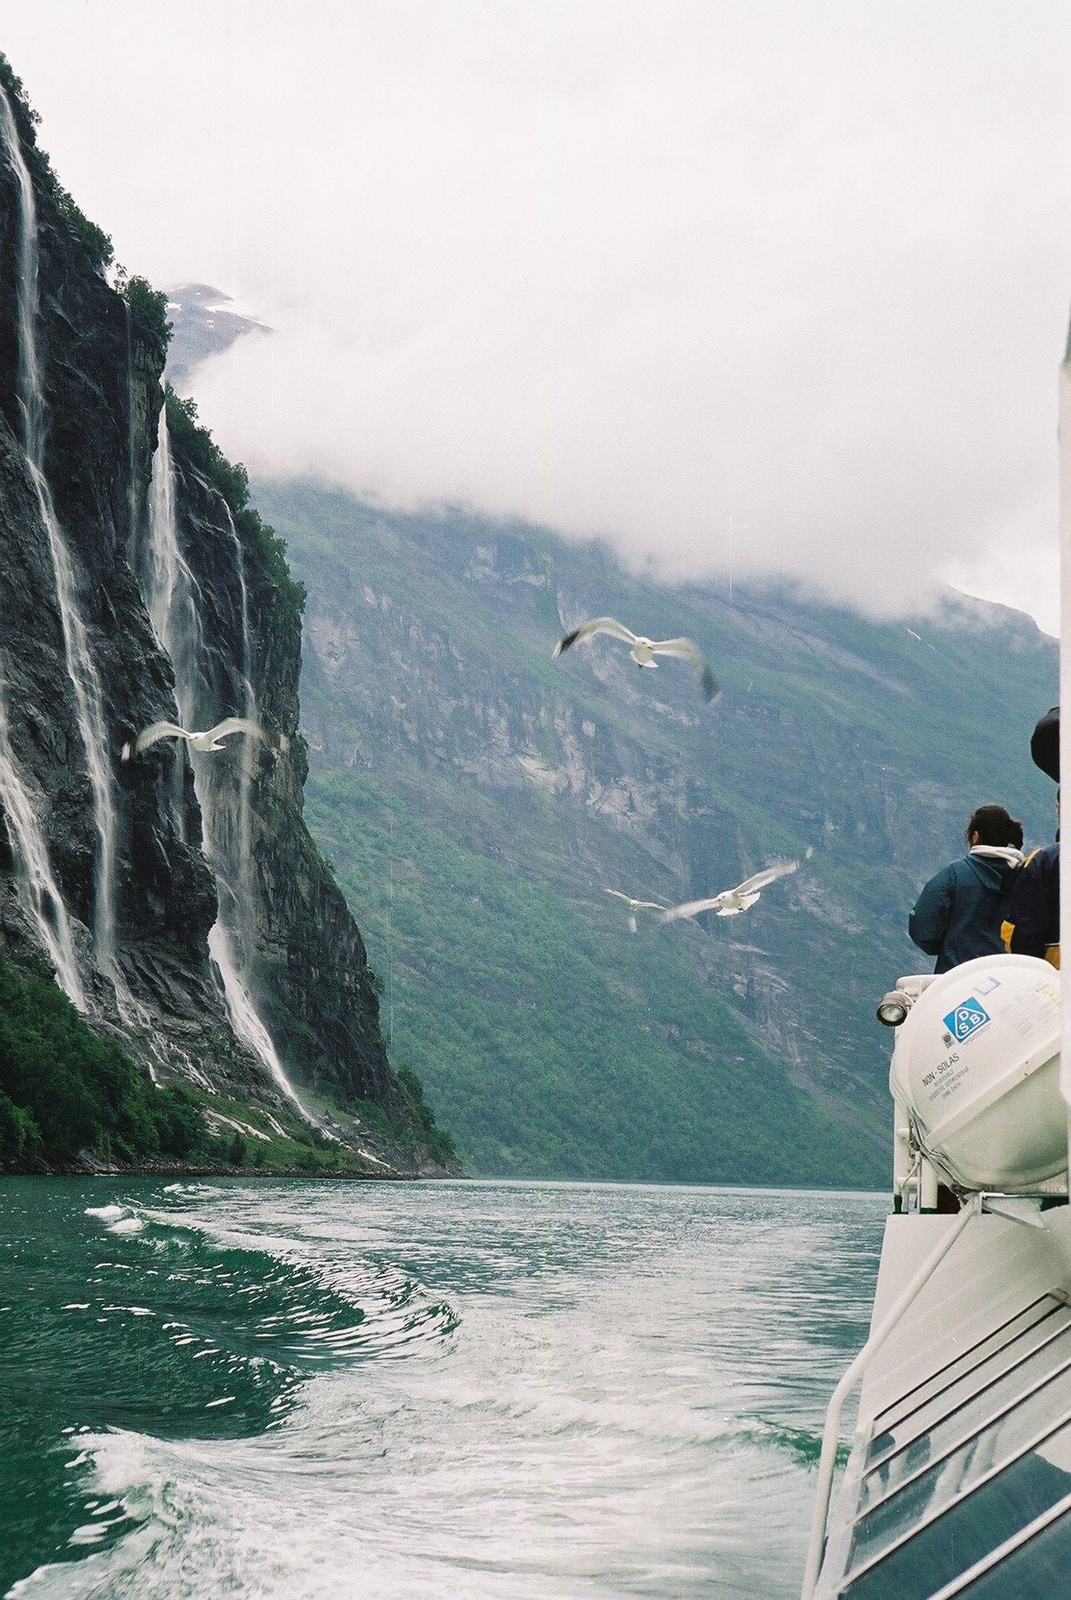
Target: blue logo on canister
[967, 1018]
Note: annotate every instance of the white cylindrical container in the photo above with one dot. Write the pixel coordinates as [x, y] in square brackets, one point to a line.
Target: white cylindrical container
[977, 1064]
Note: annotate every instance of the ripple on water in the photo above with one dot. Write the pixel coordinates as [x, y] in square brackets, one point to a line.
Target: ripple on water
[215, 1343]
[541, 1393]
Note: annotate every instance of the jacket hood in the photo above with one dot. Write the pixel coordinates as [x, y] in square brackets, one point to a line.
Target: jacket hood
[994, 868]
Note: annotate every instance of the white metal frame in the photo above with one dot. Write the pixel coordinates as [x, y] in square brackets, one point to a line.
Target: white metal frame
[1038, 1438]
[831, 1432]
[1064, 437]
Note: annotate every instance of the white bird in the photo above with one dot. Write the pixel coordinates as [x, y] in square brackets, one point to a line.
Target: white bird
[636, 905]
[731, 902]
[643, 650]
[210, 739]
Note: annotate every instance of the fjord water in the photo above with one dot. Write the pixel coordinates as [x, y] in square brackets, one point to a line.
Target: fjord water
[484, 1390]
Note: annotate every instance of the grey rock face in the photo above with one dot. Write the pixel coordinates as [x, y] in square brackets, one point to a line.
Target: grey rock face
[203, 324]
[307, 969]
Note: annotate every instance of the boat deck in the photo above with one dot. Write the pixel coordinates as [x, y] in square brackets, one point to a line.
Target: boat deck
[959, 1482]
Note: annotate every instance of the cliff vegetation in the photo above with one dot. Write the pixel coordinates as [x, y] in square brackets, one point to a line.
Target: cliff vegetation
[231, 480]
[67, 1094]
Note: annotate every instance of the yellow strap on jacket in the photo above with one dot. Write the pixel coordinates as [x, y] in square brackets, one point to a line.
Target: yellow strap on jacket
[1052, 951]
[1007, 929]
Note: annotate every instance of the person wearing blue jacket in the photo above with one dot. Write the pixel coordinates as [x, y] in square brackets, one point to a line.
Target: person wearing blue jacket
[959, 913]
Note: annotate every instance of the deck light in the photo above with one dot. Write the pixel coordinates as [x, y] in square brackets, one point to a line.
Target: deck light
[893, 1008]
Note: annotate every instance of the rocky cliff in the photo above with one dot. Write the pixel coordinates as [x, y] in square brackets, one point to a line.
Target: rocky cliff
[178, 897]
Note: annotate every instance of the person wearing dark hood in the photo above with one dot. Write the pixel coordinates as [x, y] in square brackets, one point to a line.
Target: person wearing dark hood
[958, 914]
[1033, 919]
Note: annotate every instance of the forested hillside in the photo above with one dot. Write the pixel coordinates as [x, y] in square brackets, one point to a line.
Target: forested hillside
[477, 798]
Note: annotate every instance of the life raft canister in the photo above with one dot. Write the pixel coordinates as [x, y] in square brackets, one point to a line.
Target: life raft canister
[977, 1065]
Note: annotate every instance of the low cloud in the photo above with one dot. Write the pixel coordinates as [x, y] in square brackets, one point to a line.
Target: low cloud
[777, 284]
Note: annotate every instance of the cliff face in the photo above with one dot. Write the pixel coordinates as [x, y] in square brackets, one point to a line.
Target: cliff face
[119, 874]
[314, 986]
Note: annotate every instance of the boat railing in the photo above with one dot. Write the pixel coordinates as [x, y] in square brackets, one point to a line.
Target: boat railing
[831, 1431]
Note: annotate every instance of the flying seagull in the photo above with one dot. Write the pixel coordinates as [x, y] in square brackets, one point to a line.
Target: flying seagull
[643, 650]
[208, 740]
[636, 905]
[731, 902]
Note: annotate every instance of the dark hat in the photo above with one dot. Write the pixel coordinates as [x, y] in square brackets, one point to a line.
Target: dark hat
[1045, 744]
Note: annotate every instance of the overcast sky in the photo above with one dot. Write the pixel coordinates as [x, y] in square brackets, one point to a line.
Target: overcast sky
[791, 279]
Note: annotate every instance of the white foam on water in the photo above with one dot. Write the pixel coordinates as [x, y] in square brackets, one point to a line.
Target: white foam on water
[609, 1410]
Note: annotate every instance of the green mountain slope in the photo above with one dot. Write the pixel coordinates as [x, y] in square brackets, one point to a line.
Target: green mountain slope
[477, 798]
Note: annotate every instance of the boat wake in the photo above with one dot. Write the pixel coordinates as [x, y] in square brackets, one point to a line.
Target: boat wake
[170, 1340]
[459, 1391]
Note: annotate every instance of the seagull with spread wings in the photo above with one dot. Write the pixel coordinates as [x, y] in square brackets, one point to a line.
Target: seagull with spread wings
[641, 649]
[731, 902]
[210, 739]
[635, 905]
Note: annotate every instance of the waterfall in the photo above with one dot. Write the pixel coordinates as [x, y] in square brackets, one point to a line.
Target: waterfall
[176, 610]
[81, 669]
[175, 606]
[38, 890]
[245, 1018]
[245, 782]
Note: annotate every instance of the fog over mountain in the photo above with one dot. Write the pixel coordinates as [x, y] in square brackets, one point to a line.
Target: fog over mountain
[765, 284]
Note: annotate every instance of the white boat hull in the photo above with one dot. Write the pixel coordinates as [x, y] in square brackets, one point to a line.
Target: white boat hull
[959, 1481]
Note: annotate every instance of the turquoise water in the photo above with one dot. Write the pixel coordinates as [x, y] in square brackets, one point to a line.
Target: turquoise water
[492, 1391]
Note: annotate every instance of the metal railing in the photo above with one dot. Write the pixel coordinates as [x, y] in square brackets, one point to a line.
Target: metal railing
[831, 1432]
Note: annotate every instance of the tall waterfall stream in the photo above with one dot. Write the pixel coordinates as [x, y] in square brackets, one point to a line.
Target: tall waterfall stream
[39, 893]
[175, 606]
[81, 668]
